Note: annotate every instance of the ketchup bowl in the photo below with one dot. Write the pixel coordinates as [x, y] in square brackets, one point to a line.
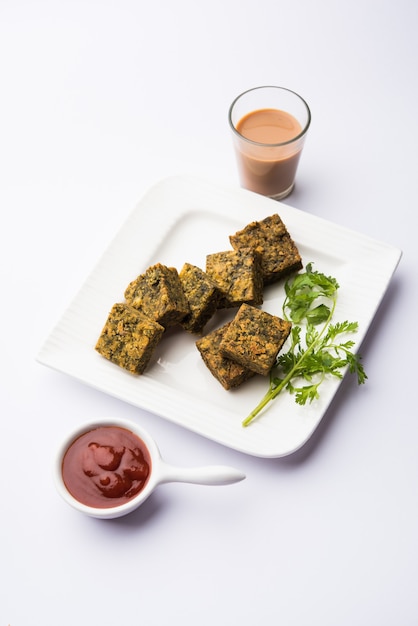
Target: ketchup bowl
[108, 467]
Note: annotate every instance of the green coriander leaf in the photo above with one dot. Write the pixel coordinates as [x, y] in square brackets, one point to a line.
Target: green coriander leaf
[318, 315]
[356, 367]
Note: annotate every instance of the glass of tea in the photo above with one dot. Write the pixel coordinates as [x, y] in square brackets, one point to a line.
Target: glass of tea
[269, 126]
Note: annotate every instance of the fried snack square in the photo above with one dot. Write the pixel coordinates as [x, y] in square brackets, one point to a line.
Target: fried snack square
[227, 372]
[128, 338]
[158, 293]
[254, 338]
[270, 238]
[202, 296]
[238, 276]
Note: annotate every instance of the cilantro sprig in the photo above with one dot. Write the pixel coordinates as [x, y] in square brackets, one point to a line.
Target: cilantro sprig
[317, 348]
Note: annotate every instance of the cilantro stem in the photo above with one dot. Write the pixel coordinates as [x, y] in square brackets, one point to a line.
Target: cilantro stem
[270, 395]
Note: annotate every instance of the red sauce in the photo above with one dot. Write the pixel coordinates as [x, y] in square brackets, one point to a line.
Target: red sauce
[106, 467]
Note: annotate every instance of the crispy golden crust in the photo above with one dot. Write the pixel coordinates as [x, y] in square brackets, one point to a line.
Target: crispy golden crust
[279, 253]
[227, 372]
[158, 293]
[202, 296]
[254, 338]
[238, 276]
[128, 338]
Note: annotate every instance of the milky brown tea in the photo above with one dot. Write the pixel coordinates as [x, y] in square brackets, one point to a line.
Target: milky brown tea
[268, 140]
[269, 126]
[264, 170]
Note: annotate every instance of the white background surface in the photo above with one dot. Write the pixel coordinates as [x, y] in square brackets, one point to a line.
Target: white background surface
[98, 101]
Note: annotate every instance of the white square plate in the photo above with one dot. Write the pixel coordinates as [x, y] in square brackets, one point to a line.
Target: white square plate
[183, 219]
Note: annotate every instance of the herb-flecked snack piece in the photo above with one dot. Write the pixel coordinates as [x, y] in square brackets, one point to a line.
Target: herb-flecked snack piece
[128, 338]
[271, 239]
[237, 273]
[254, 338]
[226, 371]
[159, 294]
[202, 296]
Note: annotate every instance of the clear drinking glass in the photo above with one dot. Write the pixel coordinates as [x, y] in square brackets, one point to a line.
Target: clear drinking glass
[269, 127]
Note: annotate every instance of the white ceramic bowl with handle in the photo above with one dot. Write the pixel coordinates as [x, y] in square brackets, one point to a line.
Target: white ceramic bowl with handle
[160, 472]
